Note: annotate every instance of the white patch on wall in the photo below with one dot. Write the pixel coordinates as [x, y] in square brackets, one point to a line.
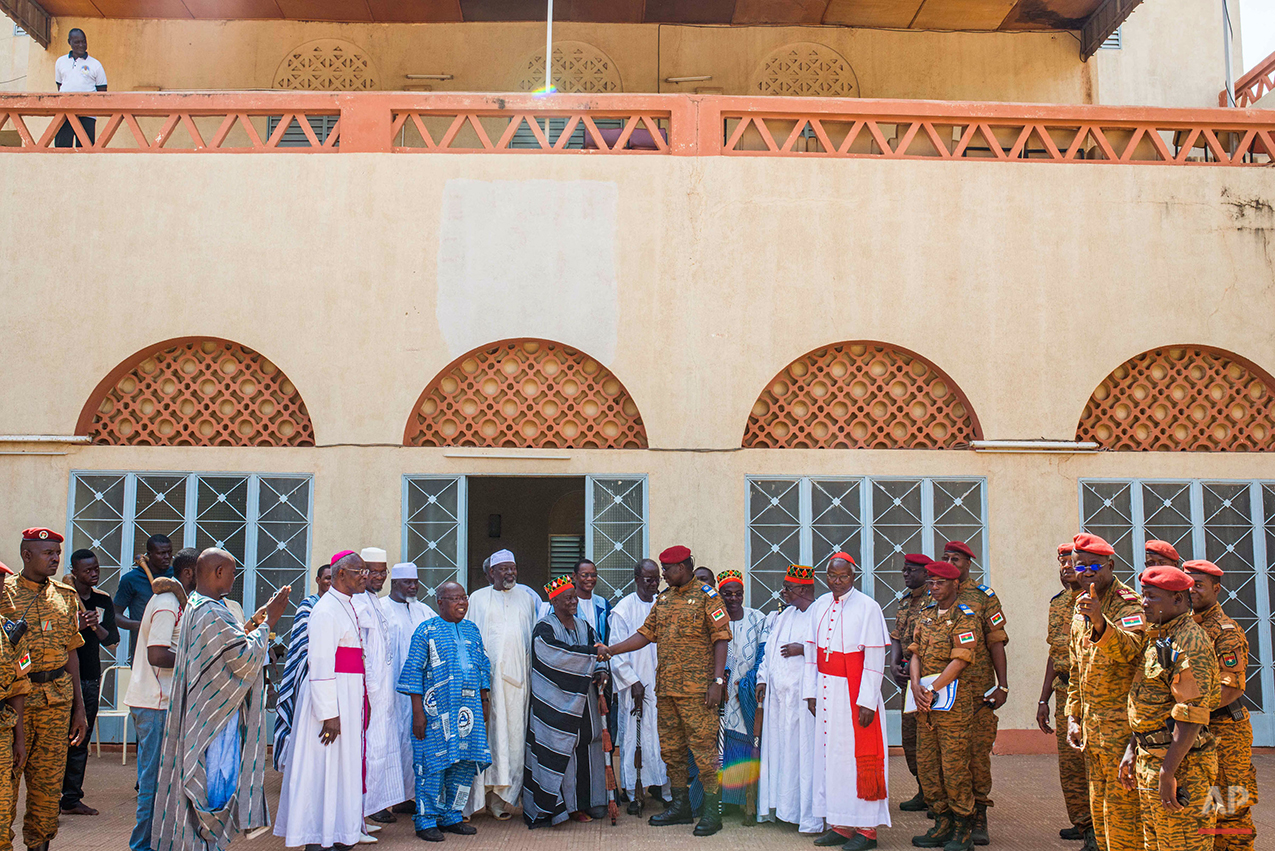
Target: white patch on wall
[528, 258]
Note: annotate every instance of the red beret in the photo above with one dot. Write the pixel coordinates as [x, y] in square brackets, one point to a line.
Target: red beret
[1087, 543]
[846, 557]
[958, 547]
[1163, 548]
[1168, 578]
[675, 555]
[943, 570]
[1066, 549]
[917, 558]
[41, 535]
[1202, 566]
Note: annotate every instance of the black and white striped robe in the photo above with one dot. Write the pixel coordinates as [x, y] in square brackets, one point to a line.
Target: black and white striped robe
[565, 769]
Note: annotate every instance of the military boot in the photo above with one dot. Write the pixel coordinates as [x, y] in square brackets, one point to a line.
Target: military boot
[962, 835]
[937, 835]
[1073, 833]
[915, 805]
[1091, 840]
[979, 833]
[677, 812]
[711, 821]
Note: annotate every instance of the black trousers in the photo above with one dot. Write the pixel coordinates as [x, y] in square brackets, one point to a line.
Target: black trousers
[77, 756]
[66, 137]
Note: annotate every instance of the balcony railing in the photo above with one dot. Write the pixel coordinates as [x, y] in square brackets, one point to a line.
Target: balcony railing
[1254, 85]
[636, 125]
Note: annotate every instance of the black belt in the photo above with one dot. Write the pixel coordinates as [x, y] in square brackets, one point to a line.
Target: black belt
[47, 676]
[1231, 712]
[1162, 738]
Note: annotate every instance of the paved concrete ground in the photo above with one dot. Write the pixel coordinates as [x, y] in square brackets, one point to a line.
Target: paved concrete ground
[1027, 816]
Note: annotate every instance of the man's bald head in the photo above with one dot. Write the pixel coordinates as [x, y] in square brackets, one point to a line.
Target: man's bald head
[452, 602]
[349, 574]
[215, 573]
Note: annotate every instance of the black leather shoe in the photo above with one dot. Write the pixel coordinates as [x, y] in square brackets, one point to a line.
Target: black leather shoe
[459, 828]
[859, 842]
[677, 812]
[830, 838]
[915, 804]
[634, 808]
[1073, 833]
[382, 817]
[430, 834]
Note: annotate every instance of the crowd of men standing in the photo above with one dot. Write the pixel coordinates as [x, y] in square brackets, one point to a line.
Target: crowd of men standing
[504, 701]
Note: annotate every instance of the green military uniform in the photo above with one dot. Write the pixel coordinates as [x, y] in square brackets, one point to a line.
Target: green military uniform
[943, 738]
[906, 613]
[1097, 697]
[1071, 762]
[1236, 776]
[1185, 689]
[15, 663]
[981, 677]
[685, 622]
[53, 633]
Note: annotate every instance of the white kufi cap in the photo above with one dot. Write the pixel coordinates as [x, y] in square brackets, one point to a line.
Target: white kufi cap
[373, 554]
[404, 570]
[501, 557]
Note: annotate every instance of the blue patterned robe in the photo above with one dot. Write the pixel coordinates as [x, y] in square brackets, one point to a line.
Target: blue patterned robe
[296, 667]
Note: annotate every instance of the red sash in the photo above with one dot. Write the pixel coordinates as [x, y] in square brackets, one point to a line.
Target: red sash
[349, 660]
[869, 747]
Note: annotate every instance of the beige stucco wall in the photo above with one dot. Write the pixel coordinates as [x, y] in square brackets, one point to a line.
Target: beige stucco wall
[1026, 283]
[487, 57]
[15, 54]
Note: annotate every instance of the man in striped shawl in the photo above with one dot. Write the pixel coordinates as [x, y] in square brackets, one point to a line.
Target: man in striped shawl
[565, 771]
[212, 771]
[296, 665]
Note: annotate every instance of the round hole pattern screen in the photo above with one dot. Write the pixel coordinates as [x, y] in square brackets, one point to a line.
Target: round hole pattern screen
[202, 393]
[860, 396]
[527, 393]
[1184, 399]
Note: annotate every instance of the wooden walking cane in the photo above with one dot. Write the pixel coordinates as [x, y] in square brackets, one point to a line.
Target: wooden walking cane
[613, 809]
[639, 794]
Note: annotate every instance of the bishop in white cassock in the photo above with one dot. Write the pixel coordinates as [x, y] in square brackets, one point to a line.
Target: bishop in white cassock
[785, 787]
[384, 784]
[404, 613]
[845, 661]
[504, 613]
[321, 802]
[633, 675]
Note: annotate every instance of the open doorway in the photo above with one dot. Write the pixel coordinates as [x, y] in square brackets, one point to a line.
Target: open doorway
[541, 520]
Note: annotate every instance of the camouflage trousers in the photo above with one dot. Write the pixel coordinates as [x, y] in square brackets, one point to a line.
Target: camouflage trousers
[46, 728]
[1117, 813]
[908, 727]
[1071, 766]
[685, 722]
[1191, 828]
[943, 749]
[984, 732]
[1236, 783]
[8, 781]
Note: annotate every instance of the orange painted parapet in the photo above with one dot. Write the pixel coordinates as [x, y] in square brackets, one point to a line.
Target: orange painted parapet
[861, 395]
[656, 124]
[1183, 398]
[1254, 85]
[530, 394]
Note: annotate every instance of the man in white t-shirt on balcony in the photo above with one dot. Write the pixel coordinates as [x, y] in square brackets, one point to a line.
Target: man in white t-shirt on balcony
[74, 73]
[152, 682]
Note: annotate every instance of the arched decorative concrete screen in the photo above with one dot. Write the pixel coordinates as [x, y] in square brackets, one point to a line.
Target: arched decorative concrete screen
[197, 392]
[526, 394]
[861, 395]
[578, 68]
[805, 69]
[1182, 399]
[326, 65]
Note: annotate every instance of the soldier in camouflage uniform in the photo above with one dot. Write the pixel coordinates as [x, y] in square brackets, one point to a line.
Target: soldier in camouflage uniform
[906, 612]
[1071, 762]
[987, 674]
[1170, 759]
[1097, 696]
[692, 629]
[15, 662]
[1229, 723]
[54, 704]
[943, 643]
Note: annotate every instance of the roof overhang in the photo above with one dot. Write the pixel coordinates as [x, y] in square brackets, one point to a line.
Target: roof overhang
[1096, 19]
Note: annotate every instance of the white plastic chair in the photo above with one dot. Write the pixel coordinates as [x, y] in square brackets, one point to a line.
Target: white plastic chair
[122, 676]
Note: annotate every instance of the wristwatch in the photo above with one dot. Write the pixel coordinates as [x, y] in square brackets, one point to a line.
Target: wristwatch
[719, 681]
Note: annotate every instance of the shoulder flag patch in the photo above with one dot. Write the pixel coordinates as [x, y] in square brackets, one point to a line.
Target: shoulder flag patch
[965, 609]
[719, 615]
[1131, 622]
[965, 638]
[996, 619]
[24, 662]
[1230, 660]
[988, 591]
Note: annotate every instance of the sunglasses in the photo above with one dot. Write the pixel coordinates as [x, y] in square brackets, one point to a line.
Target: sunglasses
[1087, 568]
